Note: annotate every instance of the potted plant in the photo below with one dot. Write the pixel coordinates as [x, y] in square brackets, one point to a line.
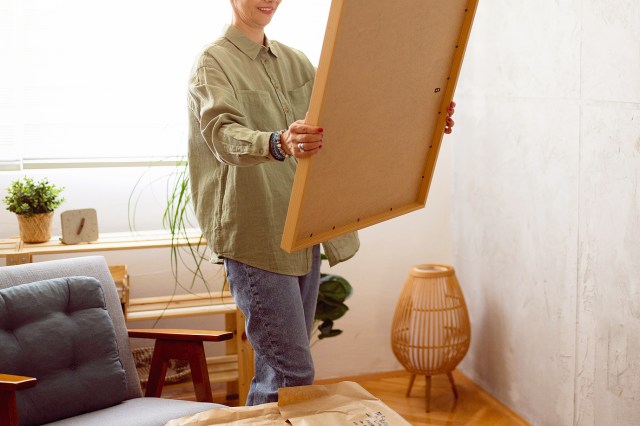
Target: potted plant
[333, 291]
[33, 203]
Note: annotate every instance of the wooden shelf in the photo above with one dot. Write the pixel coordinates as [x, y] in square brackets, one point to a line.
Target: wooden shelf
[152, 308]
[12, 248]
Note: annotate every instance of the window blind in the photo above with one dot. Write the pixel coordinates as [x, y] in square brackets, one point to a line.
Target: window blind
[9, 102]
[87, 80]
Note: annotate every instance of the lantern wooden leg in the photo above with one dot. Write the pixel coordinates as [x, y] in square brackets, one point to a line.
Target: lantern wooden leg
[411, 380]
[428, 393]
[453, 385]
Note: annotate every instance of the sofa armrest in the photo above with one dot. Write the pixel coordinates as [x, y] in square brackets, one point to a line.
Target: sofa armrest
[180, 344]
[9, 382]
[182, 335]
[8, 405]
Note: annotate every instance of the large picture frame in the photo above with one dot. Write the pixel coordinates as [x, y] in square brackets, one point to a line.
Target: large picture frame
[387, 74]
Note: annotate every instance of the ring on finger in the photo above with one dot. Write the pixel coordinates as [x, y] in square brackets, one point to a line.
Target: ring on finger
[301, 147]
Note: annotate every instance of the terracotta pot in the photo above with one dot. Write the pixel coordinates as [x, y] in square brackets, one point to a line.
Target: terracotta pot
[35, 229]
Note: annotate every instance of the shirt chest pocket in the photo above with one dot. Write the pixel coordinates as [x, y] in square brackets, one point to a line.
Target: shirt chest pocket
[257, 108]
[299, 98]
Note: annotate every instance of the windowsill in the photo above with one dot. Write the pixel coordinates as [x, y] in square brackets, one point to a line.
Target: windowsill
[91, 163]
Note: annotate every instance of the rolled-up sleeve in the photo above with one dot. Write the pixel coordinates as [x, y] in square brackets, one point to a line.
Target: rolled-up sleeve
[223, 123]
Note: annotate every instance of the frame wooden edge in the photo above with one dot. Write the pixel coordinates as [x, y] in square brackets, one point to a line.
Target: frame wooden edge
[304, 165]
[456, 66]
[359, 224]
[293, 214]
[326, 62]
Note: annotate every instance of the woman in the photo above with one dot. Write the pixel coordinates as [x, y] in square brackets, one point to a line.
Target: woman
[248, 96]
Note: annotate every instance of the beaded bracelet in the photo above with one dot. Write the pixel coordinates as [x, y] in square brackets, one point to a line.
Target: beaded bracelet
[275, 146]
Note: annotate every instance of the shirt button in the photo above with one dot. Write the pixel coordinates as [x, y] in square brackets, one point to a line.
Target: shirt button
[286, 109]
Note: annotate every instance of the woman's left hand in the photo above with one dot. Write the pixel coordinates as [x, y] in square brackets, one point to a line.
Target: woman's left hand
[448, 127]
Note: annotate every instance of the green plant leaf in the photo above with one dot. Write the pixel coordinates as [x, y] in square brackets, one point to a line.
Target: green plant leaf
[326, 330]
[332, 333]
[330, 310]
[27, 197]
[332, 293]
[335, 287]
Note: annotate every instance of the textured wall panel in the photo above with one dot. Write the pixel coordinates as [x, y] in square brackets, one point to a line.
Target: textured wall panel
[608, 380]
[524, 49]
[547, 208]
[516, 226]
[611, 50]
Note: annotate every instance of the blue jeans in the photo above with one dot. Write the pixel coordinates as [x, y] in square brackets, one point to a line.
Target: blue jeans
[279, 311]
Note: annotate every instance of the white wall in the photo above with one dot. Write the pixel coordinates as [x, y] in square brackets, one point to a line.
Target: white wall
[377, 273]
[547, 207]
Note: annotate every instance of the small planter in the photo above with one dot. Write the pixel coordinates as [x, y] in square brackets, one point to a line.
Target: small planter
[34, 204]
[36, 228]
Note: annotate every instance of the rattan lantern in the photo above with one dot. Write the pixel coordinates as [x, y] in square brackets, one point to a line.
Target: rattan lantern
[431, 332]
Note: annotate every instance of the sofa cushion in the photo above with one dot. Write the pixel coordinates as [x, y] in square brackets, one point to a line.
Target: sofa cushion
[59, 331]
[139, 412]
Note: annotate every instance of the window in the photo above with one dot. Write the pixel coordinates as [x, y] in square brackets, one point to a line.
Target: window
[85, 80]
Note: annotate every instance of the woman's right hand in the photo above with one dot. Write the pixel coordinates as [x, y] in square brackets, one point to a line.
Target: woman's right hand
[302, 140]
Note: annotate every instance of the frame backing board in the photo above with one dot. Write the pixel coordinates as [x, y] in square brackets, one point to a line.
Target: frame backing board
[387, 73]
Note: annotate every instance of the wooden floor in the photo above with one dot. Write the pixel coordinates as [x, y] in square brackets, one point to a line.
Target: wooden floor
[473, 407]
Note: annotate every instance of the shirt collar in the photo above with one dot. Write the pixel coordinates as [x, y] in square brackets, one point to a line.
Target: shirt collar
[246, 46]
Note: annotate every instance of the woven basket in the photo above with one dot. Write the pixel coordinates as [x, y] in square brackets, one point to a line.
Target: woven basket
[178, 370]
[36, 228]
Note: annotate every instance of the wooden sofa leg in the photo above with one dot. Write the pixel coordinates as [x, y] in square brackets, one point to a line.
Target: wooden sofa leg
[193, 352]
[157, 370]
[9, 409]
[9, 385]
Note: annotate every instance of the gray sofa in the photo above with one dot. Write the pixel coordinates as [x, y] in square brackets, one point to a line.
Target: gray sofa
[61, 323]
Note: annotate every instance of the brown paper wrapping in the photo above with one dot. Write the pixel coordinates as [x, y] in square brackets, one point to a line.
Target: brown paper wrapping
[344, 403]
